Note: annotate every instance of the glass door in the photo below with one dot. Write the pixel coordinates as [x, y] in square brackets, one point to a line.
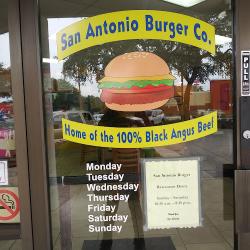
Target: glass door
[150, 83]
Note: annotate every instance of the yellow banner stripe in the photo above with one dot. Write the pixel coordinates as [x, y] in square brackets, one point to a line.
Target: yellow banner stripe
[135, 24]
[142, 137]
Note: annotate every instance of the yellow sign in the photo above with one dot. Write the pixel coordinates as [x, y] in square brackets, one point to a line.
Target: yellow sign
[144, 137]
[135, 24]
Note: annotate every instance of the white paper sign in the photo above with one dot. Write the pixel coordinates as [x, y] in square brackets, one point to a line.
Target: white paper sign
[172, 193]
[4, 173]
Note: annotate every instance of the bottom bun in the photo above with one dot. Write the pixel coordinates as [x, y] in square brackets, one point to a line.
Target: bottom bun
[136, 107]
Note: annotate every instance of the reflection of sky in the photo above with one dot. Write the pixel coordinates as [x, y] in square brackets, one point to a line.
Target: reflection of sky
[5, 50]
[56, 24]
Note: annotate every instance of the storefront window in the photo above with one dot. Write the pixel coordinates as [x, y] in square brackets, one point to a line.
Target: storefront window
[160, 195]
[9, 198]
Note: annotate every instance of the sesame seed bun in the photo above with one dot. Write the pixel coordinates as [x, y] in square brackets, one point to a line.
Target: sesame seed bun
[137, 64]
[136, 81]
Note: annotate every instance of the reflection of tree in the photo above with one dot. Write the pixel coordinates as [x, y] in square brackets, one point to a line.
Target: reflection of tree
[193, 64]
[64, 96]
[197, 88]
[5, 80]
[65, 101]
[4, 70]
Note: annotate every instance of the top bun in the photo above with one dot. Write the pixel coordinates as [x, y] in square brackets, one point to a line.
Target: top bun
[136, 64]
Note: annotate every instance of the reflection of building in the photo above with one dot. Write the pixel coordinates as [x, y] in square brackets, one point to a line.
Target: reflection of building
[198, 100]
[218, 98]
[221, 95]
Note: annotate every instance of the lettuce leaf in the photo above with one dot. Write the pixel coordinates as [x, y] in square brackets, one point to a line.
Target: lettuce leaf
[129, 84]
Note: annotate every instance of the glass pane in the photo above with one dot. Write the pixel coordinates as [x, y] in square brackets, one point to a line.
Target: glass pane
[9, 199]
[85, 83]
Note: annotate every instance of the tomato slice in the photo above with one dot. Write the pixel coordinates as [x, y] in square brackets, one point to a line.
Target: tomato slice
[137, 97]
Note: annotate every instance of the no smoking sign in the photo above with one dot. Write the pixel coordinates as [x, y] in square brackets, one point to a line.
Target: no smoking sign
[9, 205]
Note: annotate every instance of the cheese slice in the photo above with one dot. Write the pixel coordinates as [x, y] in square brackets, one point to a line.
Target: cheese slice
[138, 78]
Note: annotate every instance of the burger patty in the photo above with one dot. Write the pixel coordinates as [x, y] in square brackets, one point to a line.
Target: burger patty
[135, 98]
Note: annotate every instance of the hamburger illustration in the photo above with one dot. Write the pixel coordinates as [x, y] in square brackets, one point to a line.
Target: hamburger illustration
[136, 81]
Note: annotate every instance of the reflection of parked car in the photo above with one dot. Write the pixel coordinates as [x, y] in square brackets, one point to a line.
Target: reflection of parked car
[97, 117]
[136, 121]
[224, 120]
[200, 112]
[156, 116]
[173, 118]
[76, 116]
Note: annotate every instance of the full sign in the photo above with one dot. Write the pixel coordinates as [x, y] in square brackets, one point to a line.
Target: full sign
[245, 71]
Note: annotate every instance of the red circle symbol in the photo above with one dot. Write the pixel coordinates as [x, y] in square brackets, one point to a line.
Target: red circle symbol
[12, 210]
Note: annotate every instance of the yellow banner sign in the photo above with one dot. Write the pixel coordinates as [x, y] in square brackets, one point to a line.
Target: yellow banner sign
[135, 24]
[142, 137]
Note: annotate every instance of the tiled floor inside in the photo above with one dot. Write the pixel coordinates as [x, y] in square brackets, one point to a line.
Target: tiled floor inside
[216, 233]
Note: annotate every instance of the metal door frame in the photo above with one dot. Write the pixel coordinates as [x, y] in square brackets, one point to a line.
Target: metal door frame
[33, 99]
[242, 174]
[34, 229]
[24, 229]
